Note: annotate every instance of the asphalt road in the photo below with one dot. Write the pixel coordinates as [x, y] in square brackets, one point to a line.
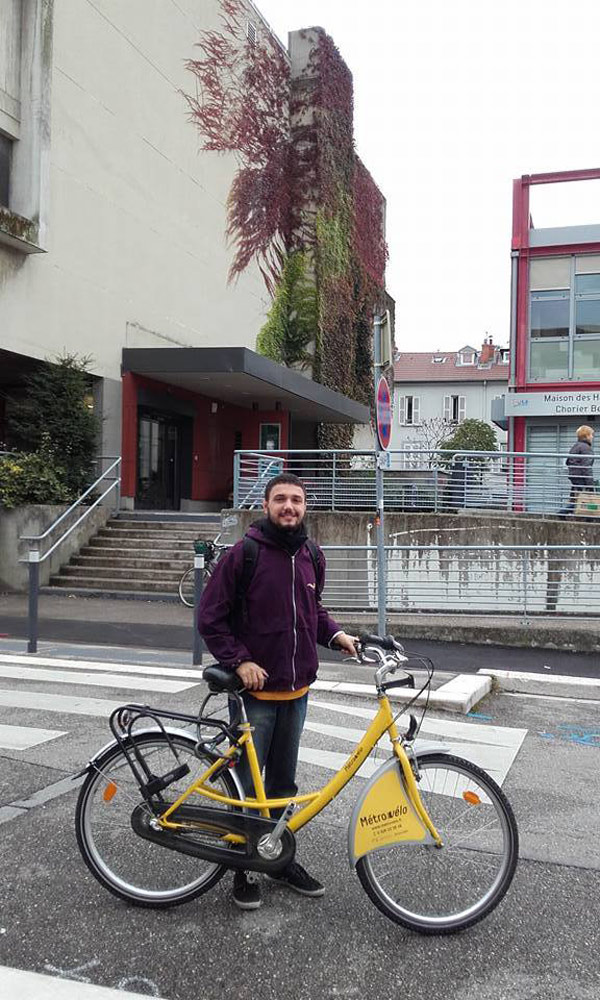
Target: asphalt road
[449, 656]
[542, 941]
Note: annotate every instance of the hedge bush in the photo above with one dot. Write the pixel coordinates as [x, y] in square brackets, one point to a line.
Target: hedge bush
[29, 477]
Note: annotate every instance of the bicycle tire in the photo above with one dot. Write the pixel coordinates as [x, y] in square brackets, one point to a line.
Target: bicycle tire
[186, 587]
[187, 584]
[424, 888]
[134, 869]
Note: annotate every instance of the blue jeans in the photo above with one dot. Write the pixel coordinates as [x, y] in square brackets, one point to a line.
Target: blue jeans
[277, 730]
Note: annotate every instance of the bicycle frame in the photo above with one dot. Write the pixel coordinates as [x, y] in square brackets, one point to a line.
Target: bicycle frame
[313, 802]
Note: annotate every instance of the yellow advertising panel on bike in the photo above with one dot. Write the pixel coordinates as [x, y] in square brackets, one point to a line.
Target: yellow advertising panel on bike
[384, 815]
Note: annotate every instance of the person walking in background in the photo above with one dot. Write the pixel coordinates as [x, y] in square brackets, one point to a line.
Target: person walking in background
[266, 628]
[579, 464]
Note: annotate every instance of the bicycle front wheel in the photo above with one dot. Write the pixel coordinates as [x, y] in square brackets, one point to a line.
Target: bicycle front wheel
[441, 890]
[135, 869]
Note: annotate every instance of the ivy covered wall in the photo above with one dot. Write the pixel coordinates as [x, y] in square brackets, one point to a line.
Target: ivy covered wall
[302, 204]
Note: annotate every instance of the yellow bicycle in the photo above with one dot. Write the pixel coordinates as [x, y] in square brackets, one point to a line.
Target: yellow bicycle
[161, 815]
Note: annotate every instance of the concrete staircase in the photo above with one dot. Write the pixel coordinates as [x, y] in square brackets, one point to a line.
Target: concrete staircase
[137, 555]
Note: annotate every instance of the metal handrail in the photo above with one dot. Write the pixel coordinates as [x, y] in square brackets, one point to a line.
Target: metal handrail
[88, 510]
[34, 559]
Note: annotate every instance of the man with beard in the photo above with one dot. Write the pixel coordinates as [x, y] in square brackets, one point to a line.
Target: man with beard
[271, 643]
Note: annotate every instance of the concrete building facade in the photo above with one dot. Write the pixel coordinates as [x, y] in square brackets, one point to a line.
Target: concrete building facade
[113, 246]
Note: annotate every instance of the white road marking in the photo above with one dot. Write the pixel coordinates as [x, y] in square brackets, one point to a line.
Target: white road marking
[550, 697]
[24, 737]
[65, 984]
[58, 703]
[121, 668]
[494, 748]
[96, 680]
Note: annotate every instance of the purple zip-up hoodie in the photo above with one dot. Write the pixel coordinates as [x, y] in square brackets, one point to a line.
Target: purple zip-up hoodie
[284, 621]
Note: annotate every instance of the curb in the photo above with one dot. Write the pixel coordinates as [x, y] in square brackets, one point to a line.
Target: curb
[556, 686]
[458, 695]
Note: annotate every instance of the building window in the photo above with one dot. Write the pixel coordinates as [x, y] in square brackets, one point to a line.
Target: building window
[564, 318]
[5, 158]
[454, 409]
[466, 357]
[409, 410]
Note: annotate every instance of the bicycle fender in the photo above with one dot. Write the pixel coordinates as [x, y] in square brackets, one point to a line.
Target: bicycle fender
[95, 762]
[383, 814]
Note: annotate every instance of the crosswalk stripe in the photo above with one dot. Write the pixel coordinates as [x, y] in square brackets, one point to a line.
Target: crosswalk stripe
[25, 737]
[95, 680]
[474, 732]
[122, 668]
[58, 703]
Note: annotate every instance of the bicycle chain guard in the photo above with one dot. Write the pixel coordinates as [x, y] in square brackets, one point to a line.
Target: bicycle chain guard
[217, 823]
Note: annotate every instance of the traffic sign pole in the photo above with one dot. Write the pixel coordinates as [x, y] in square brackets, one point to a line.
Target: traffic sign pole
[378, 322]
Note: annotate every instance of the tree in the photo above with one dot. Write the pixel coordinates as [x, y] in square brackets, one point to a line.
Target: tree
[292, 319]
[471, 435]
[431, 433]
[54, 418]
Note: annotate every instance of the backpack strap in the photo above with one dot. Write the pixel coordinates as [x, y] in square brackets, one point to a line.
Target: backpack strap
[314, 555]
[250, 552]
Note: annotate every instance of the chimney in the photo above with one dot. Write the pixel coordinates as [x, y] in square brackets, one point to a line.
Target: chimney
[487, 351]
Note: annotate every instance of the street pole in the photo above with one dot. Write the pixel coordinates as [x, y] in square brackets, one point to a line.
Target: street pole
[198, 584]
[378, 322]
[34, 591]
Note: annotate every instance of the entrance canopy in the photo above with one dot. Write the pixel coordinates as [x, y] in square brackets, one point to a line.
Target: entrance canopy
[243, 378]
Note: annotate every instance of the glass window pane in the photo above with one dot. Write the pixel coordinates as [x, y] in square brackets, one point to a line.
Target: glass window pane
[5, 155]
[587, 316]
[586, 283]
[549, 359]
[549, 318]
[552, 272]
[586, 360]
[589, 262]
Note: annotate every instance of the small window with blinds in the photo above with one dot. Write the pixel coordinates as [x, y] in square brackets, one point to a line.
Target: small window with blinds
[409, 410]
[251, 32]
[454, 409]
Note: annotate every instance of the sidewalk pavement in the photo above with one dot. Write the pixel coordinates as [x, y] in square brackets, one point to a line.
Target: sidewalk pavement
[59, 613]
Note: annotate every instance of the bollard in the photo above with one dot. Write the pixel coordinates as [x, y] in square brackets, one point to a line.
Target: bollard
[34, 590]
[198, 585]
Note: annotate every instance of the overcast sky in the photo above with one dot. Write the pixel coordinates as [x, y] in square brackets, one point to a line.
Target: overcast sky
[453, 99]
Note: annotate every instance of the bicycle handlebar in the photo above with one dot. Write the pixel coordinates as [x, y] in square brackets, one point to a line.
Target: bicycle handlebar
[387, 642]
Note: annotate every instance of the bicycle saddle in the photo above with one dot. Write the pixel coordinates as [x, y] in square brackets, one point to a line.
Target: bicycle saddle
[219, 679]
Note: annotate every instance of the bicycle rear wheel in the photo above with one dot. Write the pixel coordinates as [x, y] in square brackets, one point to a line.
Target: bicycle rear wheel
[443, 890]
[135, 869]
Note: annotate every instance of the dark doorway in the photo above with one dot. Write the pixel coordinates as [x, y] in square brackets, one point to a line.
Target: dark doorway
[159, 467]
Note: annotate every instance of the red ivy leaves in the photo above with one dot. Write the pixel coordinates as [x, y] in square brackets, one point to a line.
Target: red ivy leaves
[242, 106]
[369, 223]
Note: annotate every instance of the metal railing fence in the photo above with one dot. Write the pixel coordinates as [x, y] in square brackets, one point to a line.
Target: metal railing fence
[521, 580]
[42, 546]
[418, 480]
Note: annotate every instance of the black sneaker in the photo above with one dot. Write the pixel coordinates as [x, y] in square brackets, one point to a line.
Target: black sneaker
[246, 891]
[297, 878]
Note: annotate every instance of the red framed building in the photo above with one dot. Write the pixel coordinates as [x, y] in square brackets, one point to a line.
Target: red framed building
[554, 381]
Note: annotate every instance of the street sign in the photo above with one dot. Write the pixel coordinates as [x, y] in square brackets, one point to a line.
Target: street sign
[383, 404]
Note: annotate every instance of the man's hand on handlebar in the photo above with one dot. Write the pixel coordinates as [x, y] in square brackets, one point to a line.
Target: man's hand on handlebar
[348, 643]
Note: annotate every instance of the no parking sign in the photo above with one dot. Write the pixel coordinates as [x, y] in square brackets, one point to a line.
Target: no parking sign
[383, 404]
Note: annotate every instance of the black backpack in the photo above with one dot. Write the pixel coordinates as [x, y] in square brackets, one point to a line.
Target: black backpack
[251, 550]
